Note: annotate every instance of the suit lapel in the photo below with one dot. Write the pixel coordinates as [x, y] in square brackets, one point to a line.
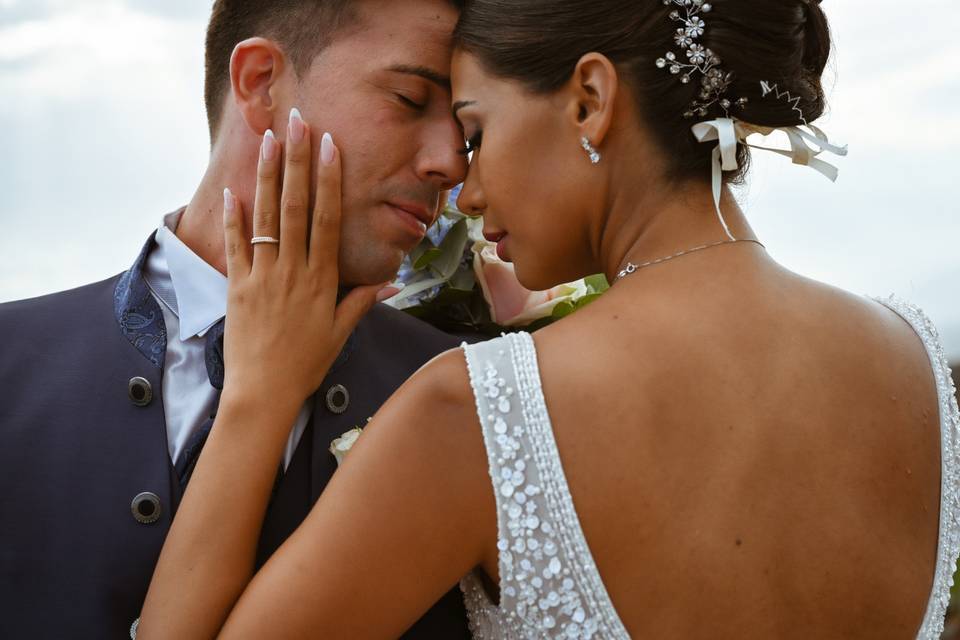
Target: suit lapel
[138, 313]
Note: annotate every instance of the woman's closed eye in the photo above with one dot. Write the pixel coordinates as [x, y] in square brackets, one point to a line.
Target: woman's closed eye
[473, 144]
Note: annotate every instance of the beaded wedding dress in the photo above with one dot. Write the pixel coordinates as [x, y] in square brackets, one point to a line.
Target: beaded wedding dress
[549, 583]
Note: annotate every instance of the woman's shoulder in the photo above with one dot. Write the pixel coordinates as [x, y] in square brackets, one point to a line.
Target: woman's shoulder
[442, 387]
[915, 341]
[903, 313]
[890, 331]
[449, 387]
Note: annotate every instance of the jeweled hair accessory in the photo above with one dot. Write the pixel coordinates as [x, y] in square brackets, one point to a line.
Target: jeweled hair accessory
[714, 80]
[729, 132]
[794, 101]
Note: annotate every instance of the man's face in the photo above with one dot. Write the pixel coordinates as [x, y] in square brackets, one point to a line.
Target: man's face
[382, 90]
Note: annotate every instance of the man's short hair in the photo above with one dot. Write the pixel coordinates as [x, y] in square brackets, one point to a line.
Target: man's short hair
[302, 28]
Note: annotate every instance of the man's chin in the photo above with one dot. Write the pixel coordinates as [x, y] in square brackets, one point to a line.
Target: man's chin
[371, 272]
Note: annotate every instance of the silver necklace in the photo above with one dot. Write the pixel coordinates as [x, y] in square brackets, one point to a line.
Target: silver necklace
[633, 268]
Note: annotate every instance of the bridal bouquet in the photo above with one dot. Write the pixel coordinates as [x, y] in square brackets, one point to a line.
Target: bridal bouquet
[456, 282]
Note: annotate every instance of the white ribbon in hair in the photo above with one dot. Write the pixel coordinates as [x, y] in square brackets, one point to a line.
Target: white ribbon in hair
[729, 132]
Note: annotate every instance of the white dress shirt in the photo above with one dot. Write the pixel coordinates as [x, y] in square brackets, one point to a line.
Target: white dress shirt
[193, 298]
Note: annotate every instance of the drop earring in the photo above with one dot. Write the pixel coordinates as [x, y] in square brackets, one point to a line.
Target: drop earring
[591, 151]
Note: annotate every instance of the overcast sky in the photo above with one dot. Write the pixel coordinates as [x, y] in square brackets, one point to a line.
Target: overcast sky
[102, 113]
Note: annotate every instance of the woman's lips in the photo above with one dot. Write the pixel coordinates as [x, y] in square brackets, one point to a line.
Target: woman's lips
[498, 238]
[502, 252]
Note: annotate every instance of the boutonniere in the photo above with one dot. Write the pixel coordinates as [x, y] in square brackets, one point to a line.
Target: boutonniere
[342, 445]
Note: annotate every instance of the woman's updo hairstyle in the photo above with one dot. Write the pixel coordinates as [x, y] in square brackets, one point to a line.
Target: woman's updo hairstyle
[539, 42]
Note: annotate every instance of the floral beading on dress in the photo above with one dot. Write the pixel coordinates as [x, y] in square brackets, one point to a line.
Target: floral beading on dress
[549, 583]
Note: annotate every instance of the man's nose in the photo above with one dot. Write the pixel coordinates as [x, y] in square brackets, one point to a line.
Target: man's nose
[441, 160]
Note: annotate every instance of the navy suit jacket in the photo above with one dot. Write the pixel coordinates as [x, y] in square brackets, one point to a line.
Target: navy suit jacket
[75, 450]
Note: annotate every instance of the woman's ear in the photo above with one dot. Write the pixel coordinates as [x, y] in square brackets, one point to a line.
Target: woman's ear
[256, 67]
[594, 87]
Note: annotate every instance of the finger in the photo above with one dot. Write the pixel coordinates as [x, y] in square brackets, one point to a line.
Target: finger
[295, 200]
[390, 291]
[356, 305]
[266, 205]
[325, 235]
[235, 240]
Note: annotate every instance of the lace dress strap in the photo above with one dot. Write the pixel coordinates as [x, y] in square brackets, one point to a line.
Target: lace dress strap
[948, 545]
[549, 583]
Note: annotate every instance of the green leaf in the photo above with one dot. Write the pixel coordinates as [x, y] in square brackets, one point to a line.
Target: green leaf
[427, 258]
[597, 283]
[562, 310]
[417, 287]
[585, 300]
[418, 251]
[463, 280]
[452, 247]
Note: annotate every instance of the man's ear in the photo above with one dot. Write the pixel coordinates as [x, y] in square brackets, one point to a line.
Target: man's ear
[256, 67]
[594, 87]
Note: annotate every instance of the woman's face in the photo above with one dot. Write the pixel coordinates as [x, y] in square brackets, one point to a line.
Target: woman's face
[529, 176]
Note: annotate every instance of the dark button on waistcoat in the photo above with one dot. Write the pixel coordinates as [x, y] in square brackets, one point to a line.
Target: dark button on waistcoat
[338, 399]
[146, 508]
[140, 391]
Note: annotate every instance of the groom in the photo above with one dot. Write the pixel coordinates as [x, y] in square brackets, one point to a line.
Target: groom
[107, 392]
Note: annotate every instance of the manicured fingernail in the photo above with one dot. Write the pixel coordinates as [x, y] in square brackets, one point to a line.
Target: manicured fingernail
[229, 204]
[297, 128]
[326, 149]
[390, 291]
[270, 146]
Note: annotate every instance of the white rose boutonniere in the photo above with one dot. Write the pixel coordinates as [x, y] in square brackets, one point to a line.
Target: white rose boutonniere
[342, 445]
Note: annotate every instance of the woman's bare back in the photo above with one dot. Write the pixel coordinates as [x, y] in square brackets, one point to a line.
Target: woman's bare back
[760, 449]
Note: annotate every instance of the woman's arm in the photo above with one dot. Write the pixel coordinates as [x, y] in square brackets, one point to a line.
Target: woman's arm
[409, 513]
[284, 330]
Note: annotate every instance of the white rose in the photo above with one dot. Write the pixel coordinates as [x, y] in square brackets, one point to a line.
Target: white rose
[342, 445]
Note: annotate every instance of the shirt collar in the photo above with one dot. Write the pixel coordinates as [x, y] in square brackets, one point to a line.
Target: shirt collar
[201, 290]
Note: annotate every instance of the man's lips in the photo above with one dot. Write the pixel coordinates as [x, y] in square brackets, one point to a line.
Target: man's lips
[415, 227]
[418, 211]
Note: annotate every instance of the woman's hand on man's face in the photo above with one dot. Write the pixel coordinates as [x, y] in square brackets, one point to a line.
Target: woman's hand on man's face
[284, 328]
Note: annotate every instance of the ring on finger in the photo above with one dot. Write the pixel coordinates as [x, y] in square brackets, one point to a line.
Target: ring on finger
[264, 240]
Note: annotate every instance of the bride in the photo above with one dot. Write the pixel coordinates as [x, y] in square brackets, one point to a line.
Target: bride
[716, 448]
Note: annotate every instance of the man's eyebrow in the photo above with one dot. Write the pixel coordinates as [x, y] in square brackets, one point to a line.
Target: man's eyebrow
[424, 72]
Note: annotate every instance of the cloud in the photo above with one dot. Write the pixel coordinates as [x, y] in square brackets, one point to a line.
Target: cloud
[91, 49]
[22, 10]
[103, 113]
